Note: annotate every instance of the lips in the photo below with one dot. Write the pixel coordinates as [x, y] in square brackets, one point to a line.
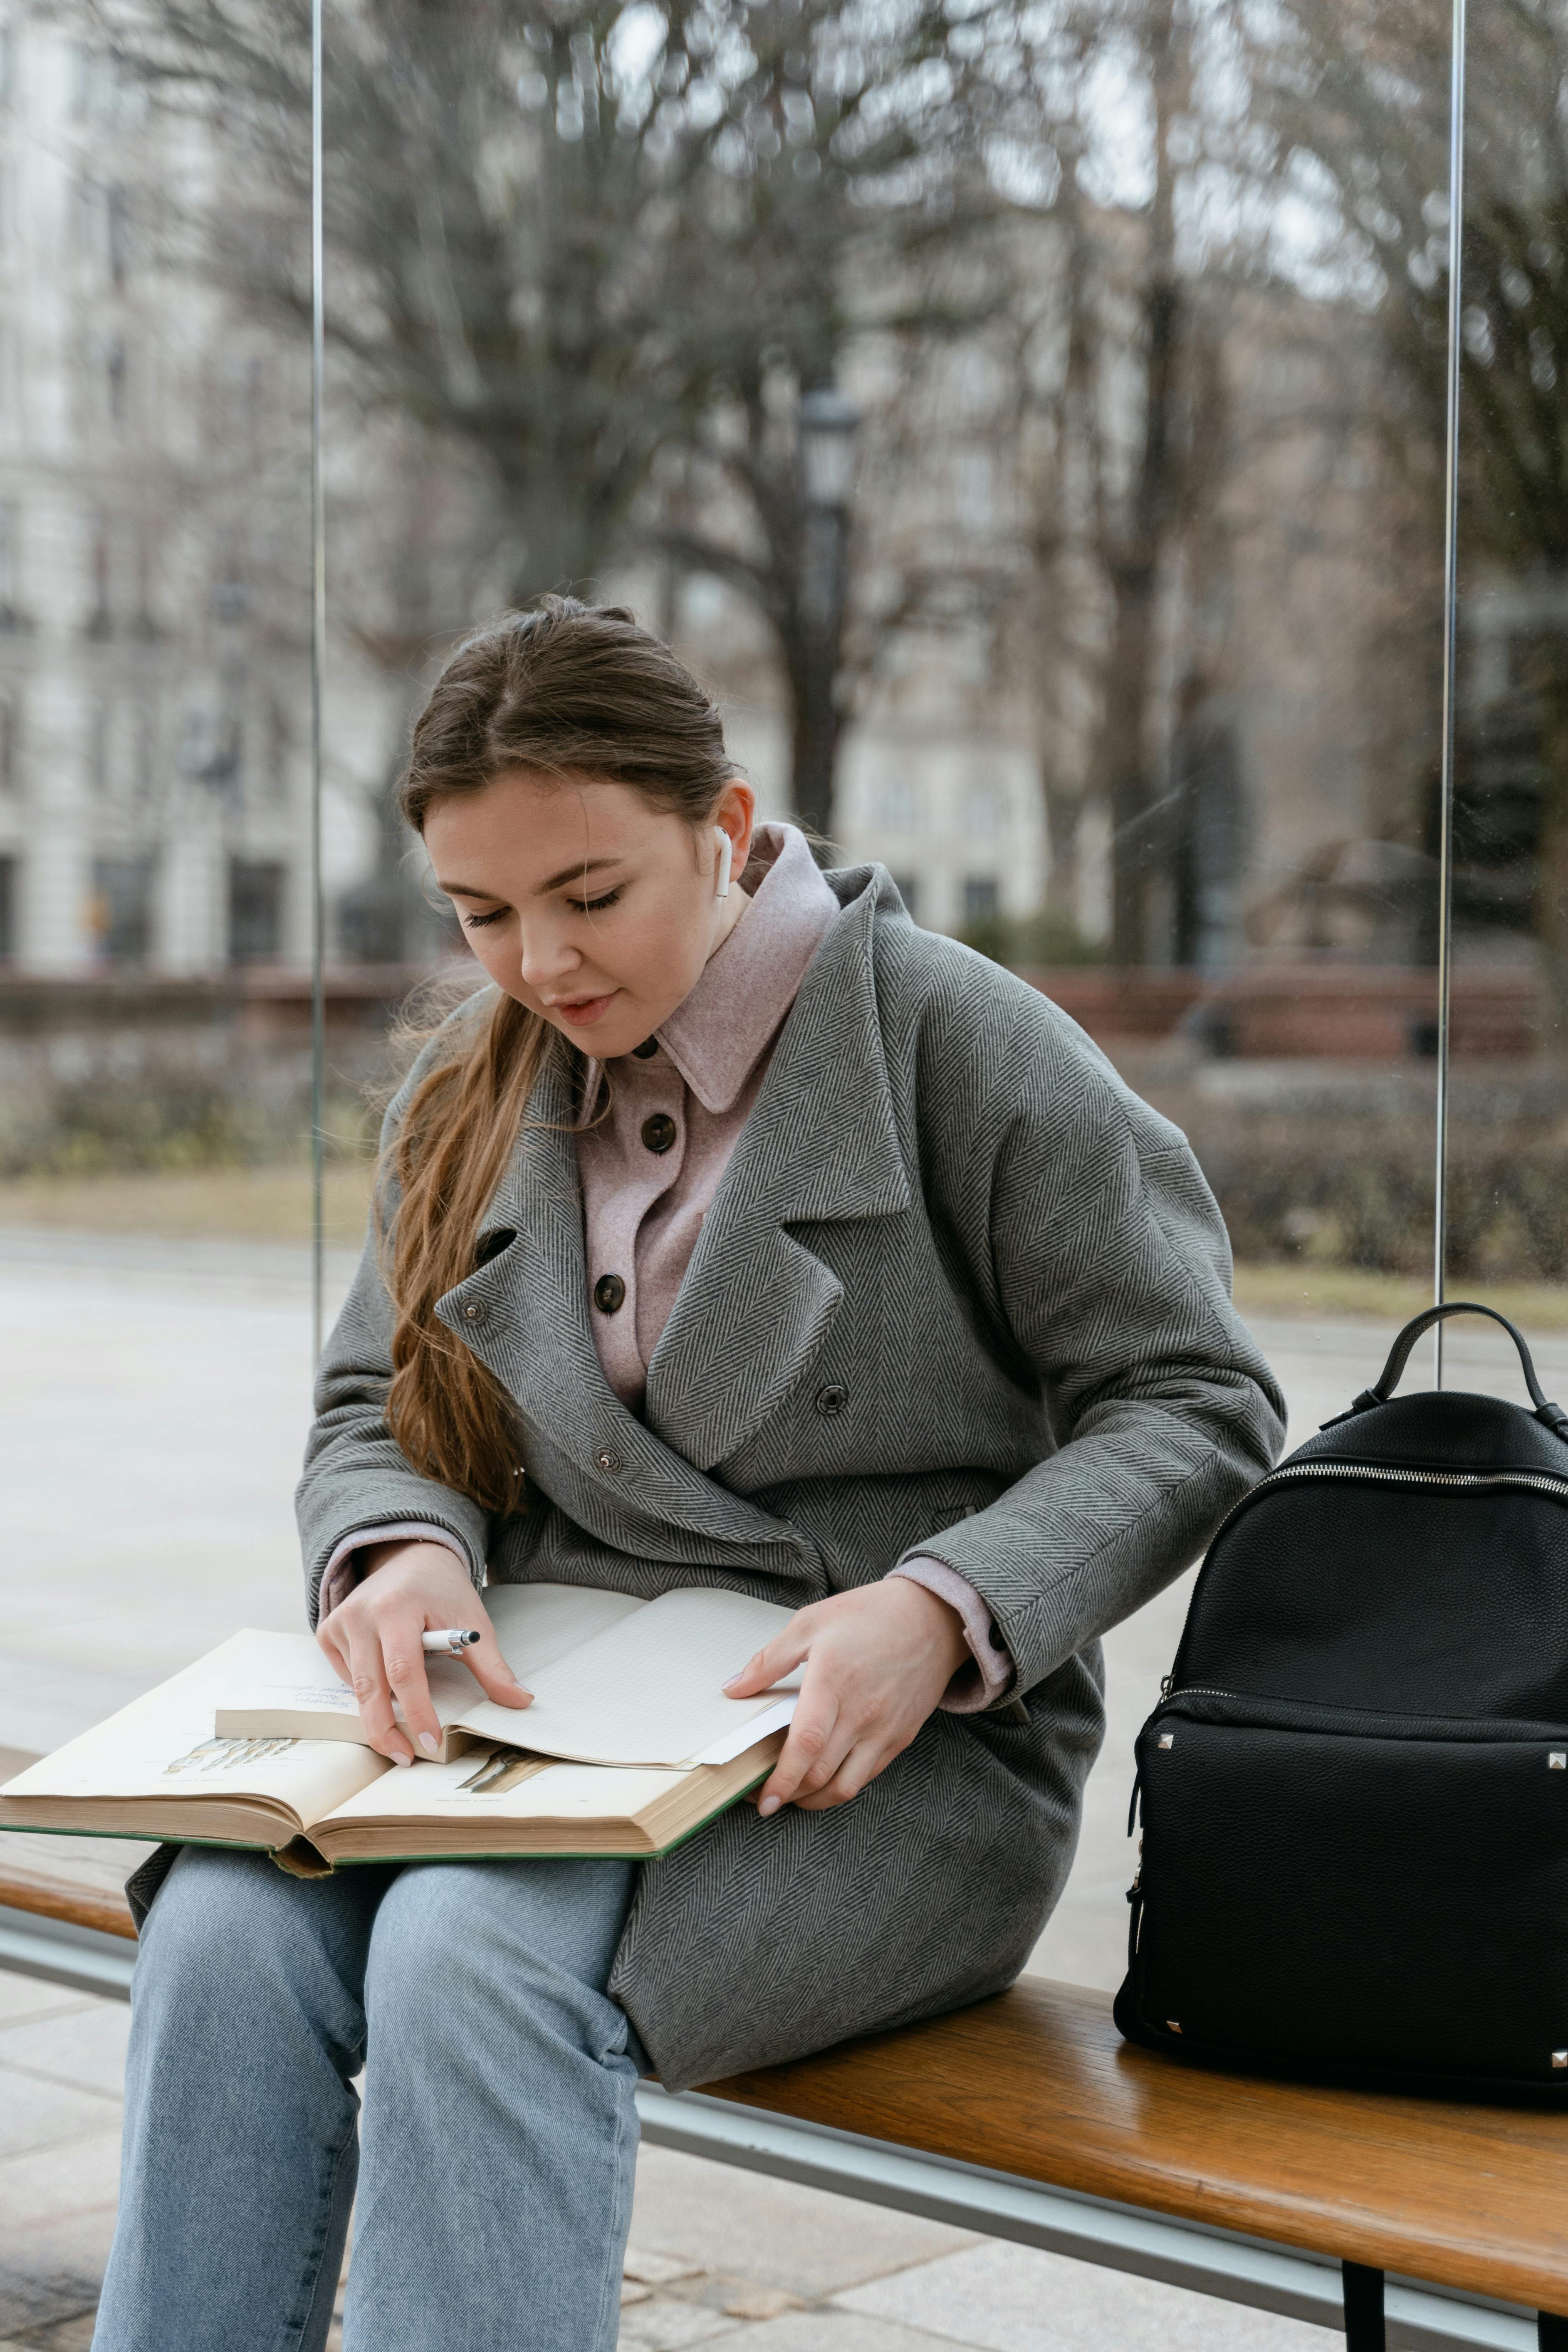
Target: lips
[582, 1011]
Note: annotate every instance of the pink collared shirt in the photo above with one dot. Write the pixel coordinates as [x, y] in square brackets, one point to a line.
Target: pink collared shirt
[658, 1127]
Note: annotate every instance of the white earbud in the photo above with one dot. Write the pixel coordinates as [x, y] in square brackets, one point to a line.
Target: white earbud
[722, 888]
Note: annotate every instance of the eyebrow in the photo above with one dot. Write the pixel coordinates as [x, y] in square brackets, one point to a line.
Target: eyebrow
[571, 872]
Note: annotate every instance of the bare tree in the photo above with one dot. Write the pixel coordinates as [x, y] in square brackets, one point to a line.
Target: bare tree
[575, 240]
[1364, 88]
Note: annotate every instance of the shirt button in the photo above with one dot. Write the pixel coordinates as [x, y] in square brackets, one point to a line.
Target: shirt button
[476, 1310]
[831, 1401]
[647, 1050]
[607, 1460]
[609, 1292]
[659, 1131]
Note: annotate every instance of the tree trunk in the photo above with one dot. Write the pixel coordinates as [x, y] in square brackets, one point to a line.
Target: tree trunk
[1064, 819]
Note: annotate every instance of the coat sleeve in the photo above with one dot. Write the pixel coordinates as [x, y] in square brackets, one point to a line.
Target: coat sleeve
[1100, 1260]
[356, 1476]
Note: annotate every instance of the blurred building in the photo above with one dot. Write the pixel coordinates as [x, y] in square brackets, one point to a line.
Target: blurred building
[154, 618]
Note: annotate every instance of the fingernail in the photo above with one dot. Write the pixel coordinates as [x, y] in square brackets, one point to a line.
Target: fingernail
[428, 1741]
[769, 1805]
[403, 1760]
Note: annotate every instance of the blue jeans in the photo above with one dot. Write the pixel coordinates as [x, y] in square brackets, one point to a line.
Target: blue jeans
[495, 2152]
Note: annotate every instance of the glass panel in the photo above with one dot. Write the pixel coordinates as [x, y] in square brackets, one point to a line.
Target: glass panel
[1030, 418]
[1508, 1226]
[155, 639]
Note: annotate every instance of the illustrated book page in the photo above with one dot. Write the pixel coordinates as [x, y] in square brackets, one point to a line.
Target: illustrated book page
[158, 1769]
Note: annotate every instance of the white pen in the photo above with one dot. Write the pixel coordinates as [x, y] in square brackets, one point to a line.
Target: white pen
[449, 1638]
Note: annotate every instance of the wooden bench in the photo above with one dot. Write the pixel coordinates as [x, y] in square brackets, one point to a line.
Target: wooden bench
[1027, 2118]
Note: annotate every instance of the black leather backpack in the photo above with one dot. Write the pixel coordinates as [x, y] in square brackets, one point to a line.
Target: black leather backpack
[1354, 1789]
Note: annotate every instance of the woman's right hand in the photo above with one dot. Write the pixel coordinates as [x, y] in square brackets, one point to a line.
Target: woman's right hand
[373, 1638]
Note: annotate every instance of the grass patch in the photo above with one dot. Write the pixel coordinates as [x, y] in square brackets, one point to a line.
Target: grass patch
[256, 1205]
[273, 1204]
[1392, 1298]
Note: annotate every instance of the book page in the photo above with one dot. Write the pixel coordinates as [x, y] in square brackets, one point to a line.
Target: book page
[648, 1691]
[535, 1624]
[162, 1745]
[456, 1793]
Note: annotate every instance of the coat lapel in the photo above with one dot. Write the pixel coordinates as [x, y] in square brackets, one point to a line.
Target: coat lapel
[524, 1313]
[821, 1146]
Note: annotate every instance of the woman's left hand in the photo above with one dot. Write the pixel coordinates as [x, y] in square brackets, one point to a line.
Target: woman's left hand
[877, 1661]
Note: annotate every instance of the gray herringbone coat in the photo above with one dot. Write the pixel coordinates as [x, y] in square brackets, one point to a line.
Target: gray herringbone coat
[946, 1206]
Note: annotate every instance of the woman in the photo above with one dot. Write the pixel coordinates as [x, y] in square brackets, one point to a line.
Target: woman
[740, 1234]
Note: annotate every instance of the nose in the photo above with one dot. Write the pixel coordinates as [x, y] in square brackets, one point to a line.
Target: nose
[548, 955]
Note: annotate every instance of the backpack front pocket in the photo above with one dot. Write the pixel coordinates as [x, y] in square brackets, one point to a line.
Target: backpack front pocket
[1322, 1888]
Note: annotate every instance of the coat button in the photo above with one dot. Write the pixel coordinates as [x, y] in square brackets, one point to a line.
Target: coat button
[647, 1050]
[609, 1292]
[659, 1131]
[607, 1460]
[476, 1310]
[831, 1401]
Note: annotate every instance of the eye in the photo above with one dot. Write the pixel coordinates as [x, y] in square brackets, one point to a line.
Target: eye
[595, 906]
[477, 922]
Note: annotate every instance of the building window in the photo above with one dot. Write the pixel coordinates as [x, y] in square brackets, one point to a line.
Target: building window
[983, 810]
[116, 391]
[100, 559]
[122, 908]
[899, 808]
[981, 901]
[909, 889]
[7, 909]
[256, 892]
[10, 568]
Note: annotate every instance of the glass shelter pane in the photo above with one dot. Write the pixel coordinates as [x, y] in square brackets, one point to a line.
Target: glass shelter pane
[1022, 414]
[154, 882]
[1508, 1227]
[154, 871]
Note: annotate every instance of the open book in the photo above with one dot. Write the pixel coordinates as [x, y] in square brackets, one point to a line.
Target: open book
[614, 1680]
[160, 1768]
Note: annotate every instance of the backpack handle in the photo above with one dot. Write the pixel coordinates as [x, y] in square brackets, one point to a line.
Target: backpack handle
[1552, 1415]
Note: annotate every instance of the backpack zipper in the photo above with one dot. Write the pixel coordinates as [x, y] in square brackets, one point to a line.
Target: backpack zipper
[1388, 1474]
[1541, 1479]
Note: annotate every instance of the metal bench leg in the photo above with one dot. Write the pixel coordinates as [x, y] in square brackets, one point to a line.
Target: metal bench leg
[1552, 2333]
[1363, 2308]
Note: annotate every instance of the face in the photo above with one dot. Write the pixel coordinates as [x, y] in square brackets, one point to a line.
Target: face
[584, 902]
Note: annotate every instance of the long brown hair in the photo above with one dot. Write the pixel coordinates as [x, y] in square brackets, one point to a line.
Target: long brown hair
[563, 689]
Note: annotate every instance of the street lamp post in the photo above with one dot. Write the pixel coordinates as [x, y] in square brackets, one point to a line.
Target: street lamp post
[828, 426]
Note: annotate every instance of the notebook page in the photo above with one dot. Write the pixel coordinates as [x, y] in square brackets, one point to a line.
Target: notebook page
[536, 1624]
[648, 1691]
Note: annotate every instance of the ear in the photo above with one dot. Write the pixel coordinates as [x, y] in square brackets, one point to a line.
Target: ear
[735, 812]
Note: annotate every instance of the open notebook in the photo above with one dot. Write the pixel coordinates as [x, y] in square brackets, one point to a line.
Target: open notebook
[614, 1680]
[162, 1768]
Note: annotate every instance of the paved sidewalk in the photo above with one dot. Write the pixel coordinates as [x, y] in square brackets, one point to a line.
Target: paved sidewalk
[154, 1397]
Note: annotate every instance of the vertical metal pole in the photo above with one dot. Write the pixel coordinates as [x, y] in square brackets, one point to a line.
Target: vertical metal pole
[1450, 654]
[318, 678]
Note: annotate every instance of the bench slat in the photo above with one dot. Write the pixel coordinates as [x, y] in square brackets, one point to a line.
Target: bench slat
[58, 1898]
[1038, 2083]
